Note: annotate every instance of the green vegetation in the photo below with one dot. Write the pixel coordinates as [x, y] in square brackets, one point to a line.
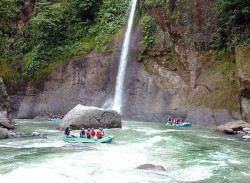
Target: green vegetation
[55, 31]
[219, 77]
[227, 26]
[148, 29]
[37, 36]
[233, 22]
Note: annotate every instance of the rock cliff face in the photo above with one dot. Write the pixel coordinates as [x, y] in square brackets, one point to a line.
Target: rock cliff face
[152, 92]
[243, 65]
[4, 103]
[83, 80]
[198, 85]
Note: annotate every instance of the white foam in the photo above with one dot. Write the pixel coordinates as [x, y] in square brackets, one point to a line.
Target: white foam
[194, 173]
[235, 162]
[150, 131]
[245, 173]
[209, 137]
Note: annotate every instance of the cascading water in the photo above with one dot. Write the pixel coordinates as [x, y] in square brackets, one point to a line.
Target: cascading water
[123, 61]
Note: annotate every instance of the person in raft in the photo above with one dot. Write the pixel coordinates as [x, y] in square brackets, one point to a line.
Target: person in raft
[67, 132]
[82, 133]
[93, 133]
[99, 133]
[88, 133]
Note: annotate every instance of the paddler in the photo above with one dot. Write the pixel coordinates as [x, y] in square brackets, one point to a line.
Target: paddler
[99, 133]
[82, 133]
[67, 132]
[93, 133]
[88, 133]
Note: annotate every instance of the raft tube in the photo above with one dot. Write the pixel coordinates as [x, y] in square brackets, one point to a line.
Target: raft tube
[105, 139]
[55, 119]
[180, 125]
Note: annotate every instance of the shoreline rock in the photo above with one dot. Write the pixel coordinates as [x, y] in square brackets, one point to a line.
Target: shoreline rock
[234, 125]
[240, 128]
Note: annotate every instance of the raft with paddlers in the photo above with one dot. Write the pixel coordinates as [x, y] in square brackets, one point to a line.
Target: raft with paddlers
[177, 122]
[183, 124]
[55, 117]
[105, 139]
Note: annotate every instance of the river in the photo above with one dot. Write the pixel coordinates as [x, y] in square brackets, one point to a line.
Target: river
[188, 154]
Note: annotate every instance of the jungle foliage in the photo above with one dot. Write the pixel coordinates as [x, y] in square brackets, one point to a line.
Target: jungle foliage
[56, 30]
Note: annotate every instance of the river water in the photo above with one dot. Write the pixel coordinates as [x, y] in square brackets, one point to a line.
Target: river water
[188, 154]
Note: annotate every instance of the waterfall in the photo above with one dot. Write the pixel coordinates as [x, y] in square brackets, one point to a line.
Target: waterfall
[123, 61]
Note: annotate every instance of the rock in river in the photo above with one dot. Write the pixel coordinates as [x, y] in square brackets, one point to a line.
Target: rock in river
[150, 167]
[229, 131]
[90, 117]
[246, 137]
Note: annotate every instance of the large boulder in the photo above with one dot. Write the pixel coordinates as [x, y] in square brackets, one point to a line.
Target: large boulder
[90, 117]
[235, 126]
[3, 133]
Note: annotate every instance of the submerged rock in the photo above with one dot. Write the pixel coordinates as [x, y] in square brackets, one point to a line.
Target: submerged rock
[35, 134]
[4, 133]
[90, 117]
[20, 135]
[150, 167]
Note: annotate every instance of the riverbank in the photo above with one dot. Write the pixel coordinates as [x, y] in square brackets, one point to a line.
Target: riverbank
[188, 154]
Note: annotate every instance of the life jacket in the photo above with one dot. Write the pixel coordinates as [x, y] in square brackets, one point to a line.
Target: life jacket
[66, 132]
[99, 134]
[88, 134]
[82, 133]
[93, 133]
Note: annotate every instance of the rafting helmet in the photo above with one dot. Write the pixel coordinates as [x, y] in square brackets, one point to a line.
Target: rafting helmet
[101, 129]
[88, 129]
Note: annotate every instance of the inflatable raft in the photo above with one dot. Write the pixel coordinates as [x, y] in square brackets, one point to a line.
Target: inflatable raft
[55, 119]
[176, 124]
[105, 139]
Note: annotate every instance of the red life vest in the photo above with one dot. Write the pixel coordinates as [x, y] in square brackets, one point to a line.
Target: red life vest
[88, 134]
[99, 134]
[93, 133]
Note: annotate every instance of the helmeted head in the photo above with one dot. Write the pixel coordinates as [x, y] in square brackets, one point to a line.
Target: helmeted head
[88, 129]
[100, 129]
[82, 129]
[93, 129]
